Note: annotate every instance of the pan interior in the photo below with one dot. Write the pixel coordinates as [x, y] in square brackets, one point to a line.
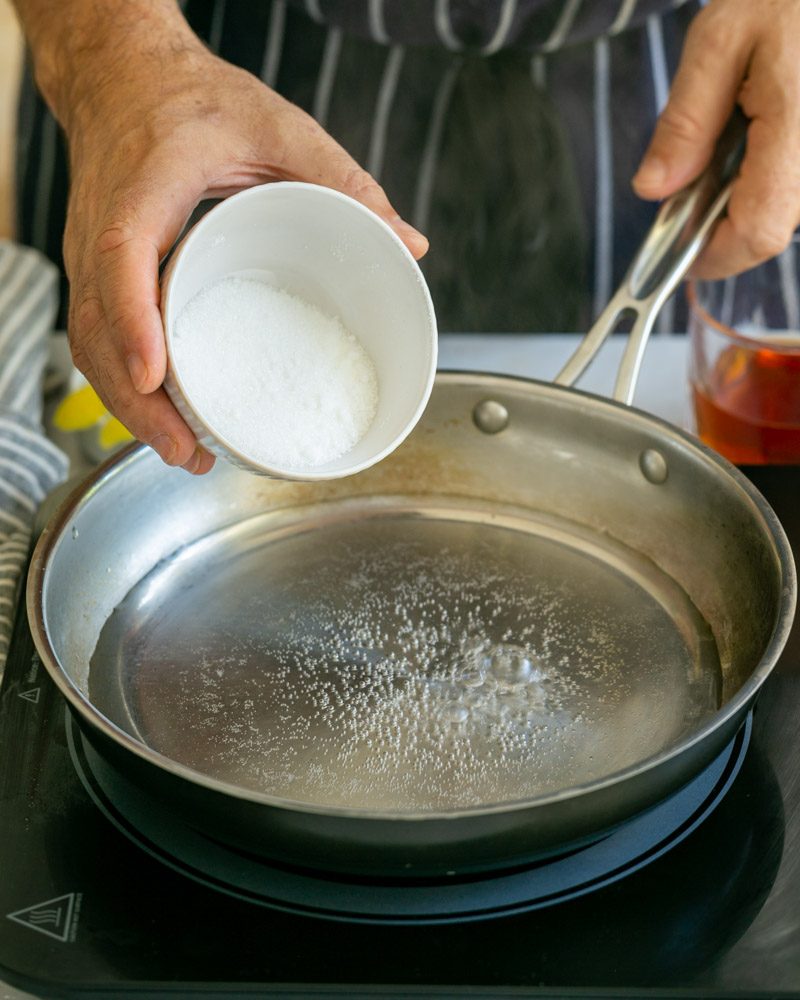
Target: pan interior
[404, 655]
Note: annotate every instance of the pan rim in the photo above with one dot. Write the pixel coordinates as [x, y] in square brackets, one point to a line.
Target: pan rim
[88, 713]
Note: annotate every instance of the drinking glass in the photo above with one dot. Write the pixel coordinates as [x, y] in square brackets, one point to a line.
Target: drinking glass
[745, 361]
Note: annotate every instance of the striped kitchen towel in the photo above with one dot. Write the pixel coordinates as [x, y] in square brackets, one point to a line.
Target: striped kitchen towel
[30, 465]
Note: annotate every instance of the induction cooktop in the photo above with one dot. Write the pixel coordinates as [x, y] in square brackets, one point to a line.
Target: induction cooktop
[102, 895]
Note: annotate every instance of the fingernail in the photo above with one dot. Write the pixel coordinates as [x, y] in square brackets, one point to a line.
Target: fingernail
[166, 447]
[652, 172]
[137, 370]
[194, 462]
[405, 231]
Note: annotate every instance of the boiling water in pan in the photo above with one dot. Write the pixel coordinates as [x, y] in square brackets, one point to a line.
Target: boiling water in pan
[387, 658]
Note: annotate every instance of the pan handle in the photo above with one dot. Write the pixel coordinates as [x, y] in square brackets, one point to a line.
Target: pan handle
[681, 228]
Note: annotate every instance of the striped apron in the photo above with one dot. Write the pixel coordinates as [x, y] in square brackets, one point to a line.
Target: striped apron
[506, 130]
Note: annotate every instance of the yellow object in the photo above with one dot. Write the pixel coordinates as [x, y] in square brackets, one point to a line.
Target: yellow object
[82, 409]
[113, 433]
[79, 410]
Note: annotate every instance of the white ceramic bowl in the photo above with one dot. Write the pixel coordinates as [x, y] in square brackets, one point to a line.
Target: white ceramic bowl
[331, 251]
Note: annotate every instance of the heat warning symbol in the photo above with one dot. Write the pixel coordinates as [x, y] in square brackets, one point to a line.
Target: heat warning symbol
[57, 918]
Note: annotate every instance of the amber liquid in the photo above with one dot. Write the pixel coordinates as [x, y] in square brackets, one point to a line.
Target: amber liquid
[749, 406]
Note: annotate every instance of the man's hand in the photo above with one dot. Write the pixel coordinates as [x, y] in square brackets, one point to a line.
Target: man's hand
[155, 124]
[745, 52]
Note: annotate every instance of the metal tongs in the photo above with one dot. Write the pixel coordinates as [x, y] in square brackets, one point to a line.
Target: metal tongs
[681, 228]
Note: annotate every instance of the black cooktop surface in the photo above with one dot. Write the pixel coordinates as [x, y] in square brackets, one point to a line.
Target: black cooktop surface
[86, 911]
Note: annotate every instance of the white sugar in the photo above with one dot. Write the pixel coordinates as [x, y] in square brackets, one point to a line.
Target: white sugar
[272, 375]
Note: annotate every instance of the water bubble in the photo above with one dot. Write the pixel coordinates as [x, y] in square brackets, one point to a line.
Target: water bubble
[512, 664]
[456, 714]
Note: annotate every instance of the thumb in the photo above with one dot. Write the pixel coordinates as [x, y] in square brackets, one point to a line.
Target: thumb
[702, 98]
[317, 158]
[352, 180]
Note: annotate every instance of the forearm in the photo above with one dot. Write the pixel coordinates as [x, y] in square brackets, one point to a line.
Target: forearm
[156, 123]
[80, 47]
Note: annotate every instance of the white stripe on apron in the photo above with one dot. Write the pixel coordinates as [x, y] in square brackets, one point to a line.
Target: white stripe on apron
[564, 23]
[383, 107]
[539, 71]
[327, 75]
[377, 25]
[313, 11]
[444, 26]
[728, 298]
[604, 181]
[504, 22]
[430, 155]
[787, 268]
[623, 17]
[274, 46]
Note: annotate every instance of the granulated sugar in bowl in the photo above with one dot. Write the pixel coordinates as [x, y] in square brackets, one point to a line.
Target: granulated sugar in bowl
[300, 333]
[306, 390]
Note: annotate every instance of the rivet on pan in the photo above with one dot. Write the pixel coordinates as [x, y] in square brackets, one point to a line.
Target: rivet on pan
[653, 466]
[490, 416]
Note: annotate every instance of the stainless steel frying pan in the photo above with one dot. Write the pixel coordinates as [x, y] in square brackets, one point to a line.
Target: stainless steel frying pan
[541, 615]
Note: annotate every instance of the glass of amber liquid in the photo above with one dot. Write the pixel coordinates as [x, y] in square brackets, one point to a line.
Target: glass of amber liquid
[744, 365]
